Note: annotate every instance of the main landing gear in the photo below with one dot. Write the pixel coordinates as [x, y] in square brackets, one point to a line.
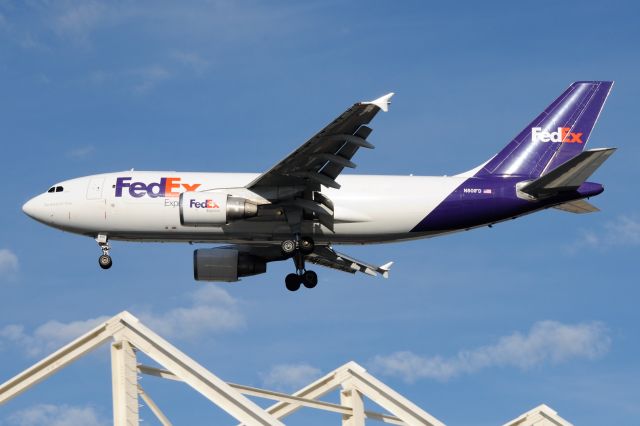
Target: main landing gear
[307, 278]
[104, 260]
[298, 248]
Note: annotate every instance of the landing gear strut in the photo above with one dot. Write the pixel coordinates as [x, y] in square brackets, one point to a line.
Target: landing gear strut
[299, 247]
[104, 260]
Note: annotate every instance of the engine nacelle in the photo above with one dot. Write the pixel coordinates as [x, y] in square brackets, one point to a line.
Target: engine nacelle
[225, 264]
[213, 208]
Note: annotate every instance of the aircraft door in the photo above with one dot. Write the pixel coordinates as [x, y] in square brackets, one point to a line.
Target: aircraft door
[94, 190]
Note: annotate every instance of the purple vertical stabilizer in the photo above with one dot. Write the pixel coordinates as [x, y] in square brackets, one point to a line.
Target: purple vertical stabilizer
[558, 134]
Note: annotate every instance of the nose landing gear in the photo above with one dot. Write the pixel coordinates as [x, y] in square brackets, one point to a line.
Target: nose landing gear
[104, 260]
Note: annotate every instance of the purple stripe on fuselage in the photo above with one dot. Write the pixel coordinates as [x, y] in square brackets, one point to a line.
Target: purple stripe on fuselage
[483, 201]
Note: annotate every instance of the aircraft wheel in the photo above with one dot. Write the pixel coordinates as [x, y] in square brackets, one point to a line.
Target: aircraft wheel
[288, 246]
[310, 279]
[105, 261]
[292, 282]
[306, 245]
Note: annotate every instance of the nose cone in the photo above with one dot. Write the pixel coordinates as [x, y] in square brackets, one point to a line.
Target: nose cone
[29, 208]
[34, 208]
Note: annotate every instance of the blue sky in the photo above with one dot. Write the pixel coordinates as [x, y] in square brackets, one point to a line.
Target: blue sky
[497, 321]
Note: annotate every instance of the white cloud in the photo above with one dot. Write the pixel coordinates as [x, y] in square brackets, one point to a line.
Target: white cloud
[8, 263]
[81, 152]
[547, 341]
[212, 310]
[290, 376]
[56, 415]
[211, 23]
[49, 336]
[76, 20]
[139, 80]
[149, 77]
[192, 60]
[622, 231]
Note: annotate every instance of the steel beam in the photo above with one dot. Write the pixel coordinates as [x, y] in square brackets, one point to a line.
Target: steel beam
[59, 359]
[196, 376]
[350, 397]
[124, 382]
[390, 400]
[154, 407]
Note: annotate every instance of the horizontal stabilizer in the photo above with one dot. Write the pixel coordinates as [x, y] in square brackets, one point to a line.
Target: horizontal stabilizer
[569, 175]
[577, 206]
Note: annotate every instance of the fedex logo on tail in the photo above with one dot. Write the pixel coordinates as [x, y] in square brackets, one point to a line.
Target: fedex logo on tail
[562, 135]
[167, 187]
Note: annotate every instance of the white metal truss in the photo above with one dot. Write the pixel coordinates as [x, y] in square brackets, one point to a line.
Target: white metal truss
[128, 335]
[542, 415]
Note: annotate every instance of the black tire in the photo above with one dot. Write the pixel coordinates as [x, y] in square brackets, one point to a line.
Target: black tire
[288, 246]
[307, 245]
[292, 282]
[310, 279]
[105, 261]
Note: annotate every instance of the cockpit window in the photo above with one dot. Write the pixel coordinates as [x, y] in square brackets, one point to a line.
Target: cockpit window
[59, 189]
[52, 189]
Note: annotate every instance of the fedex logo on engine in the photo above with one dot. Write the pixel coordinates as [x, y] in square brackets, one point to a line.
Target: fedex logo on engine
[562, 135]
[205, 204]
[167, 187]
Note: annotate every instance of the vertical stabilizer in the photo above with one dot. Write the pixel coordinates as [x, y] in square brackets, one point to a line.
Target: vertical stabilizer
[558, 134]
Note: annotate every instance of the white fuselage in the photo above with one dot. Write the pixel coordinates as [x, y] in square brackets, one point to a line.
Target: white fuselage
[368, 208]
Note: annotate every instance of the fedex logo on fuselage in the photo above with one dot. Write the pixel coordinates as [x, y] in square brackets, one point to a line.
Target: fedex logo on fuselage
[206, 204]
[167, 187]
[563, 135]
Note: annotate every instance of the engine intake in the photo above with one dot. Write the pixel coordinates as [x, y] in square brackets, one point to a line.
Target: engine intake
[225, 264]
[213, 208]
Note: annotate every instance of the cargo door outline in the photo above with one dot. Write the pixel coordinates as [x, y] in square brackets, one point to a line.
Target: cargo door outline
[94, 190]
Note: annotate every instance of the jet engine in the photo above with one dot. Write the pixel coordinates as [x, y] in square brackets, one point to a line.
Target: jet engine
[225, 264]
[213, 208]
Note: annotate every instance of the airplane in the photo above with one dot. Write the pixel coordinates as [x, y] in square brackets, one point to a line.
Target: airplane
[303, 206]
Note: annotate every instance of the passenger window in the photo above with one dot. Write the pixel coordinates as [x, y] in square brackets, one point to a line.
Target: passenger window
[52, 189]
[59, 189]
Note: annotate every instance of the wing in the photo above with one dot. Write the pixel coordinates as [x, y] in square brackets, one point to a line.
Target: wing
[322, 158]
[326, 256]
